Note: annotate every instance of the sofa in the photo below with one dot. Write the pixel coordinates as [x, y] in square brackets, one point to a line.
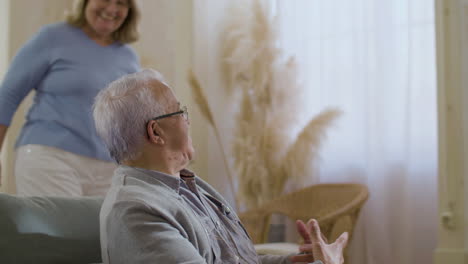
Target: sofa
[49, 230]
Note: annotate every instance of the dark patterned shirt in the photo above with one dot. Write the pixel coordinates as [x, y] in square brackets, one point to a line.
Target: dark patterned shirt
[230, 241]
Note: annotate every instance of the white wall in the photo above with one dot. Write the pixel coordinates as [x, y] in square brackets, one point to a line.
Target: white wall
[166, 45]
[463, 22]
[4, 31]
[208, 25]
[452, 53]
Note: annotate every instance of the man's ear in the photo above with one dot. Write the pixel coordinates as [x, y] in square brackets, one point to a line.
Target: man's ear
[154, 132]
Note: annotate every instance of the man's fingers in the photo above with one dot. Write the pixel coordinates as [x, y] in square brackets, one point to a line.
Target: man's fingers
[305, 248]
[342, 241]
[315, 230]
[324, 238]
[302, 230]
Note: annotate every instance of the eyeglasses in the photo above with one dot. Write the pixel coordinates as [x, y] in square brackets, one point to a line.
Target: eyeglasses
[183, 111]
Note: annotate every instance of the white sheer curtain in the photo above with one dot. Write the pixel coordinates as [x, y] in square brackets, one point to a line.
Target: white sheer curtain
[376, 61]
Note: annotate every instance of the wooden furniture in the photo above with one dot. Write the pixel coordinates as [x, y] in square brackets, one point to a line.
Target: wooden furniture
[335, 206]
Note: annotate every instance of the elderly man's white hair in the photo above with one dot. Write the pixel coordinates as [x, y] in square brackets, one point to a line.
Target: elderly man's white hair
[122, 110]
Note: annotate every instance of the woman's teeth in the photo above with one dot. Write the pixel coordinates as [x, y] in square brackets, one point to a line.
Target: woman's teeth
[107, 17]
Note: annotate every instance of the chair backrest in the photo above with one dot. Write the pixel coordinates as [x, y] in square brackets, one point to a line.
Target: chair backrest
[335, 206]
[49, 229]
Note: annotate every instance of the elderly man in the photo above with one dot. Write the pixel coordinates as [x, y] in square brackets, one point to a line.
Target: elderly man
[156, 210]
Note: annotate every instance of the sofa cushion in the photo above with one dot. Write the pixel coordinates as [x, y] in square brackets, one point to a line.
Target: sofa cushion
[49, 229]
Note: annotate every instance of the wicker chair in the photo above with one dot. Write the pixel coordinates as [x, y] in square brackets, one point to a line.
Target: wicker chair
[335, 206]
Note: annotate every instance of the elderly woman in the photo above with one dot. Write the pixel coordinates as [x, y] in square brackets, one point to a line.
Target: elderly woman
[157, 211]
[58, 151]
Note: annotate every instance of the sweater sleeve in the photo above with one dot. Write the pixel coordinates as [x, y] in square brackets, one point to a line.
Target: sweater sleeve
[136, 235]
[24, 74]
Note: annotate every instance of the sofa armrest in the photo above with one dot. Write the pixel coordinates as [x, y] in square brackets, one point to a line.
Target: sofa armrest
[49, 229]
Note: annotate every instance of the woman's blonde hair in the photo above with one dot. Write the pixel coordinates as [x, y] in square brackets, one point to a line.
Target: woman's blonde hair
[126, 33]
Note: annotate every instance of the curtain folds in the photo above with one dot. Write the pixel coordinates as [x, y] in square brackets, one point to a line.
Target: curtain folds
[375, 60]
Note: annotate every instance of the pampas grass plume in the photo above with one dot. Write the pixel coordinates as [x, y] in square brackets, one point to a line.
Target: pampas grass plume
[266, 153]
[200, 98]
[308, 143]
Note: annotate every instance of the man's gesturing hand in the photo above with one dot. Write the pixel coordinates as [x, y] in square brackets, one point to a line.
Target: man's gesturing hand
[315, 247]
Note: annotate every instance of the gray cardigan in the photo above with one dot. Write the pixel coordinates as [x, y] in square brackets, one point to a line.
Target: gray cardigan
[143, 220]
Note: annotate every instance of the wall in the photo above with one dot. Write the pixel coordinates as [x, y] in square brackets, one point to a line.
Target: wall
[4, 31]
[166, 45]
[463, 11]
[452, 55]
[208, 25]
[4, 24]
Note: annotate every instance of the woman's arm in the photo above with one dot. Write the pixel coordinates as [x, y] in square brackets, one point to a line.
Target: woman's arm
[24, 74]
